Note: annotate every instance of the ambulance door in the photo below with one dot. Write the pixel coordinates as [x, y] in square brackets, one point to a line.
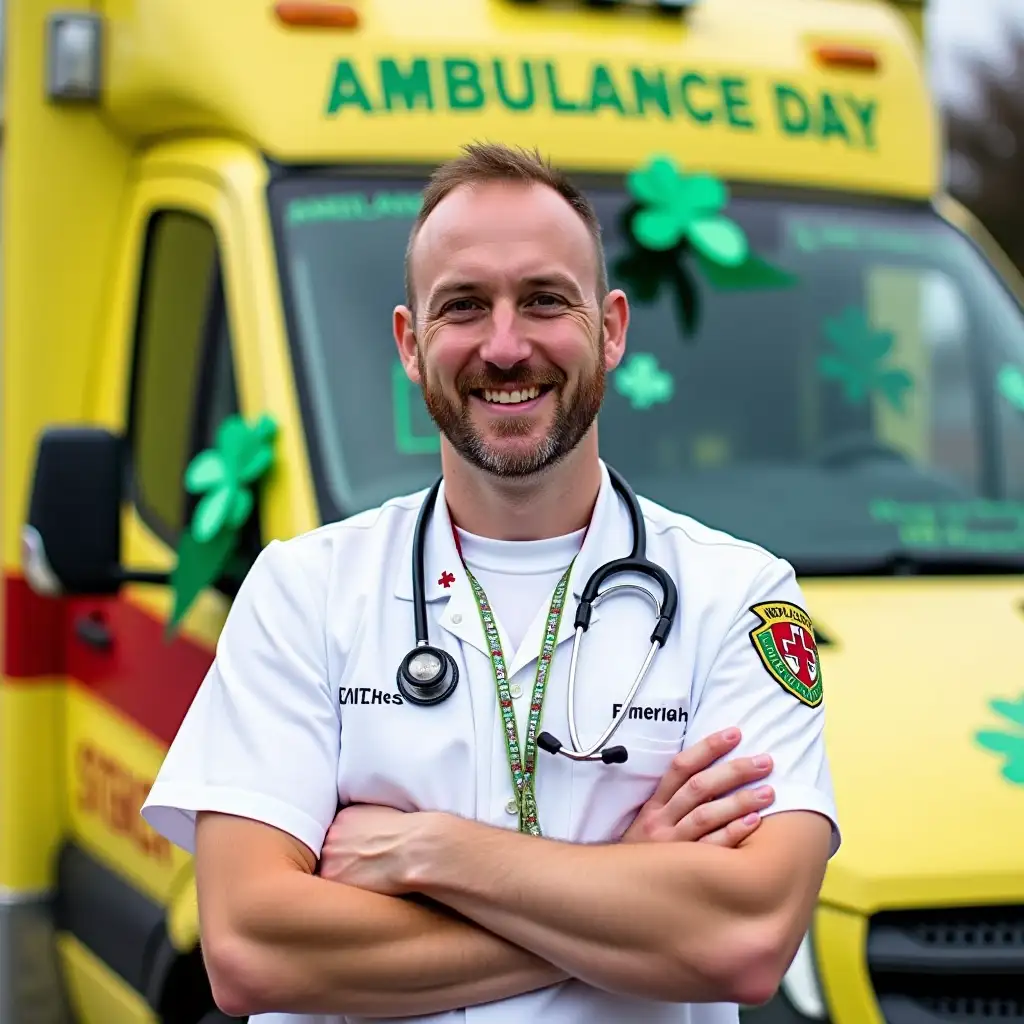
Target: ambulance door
[169, 380]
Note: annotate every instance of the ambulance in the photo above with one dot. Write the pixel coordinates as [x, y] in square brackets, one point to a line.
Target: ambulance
[205, 207]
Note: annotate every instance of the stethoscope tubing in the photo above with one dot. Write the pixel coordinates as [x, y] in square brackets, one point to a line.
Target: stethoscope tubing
[591, 596]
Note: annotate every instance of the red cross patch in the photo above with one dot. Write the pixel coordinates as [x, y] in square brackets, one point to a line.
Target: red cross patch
[784, 642]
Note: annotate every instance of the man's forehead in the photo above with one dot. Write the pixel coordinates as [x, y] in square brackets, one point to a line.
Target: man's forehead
[500, 217]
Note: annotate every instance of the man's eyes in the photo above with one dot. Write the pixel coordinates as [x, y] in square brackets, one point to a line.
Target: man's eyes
[545, 301]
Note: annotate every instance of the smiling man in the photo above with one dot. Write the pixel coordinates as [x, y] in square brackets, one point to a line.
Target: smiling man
[473, 873]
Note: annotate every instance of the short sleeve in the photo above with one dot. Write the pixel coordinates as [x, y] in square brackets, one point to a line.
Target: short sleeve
[766, 680]
[261, 738]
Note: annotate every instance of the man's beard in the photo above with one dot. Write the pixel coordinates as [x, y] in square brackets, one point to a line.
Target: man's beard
[571, 422]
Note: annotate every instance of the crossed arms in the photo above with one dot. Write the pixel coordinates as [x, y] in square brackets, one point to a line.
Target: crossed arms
[698, 903]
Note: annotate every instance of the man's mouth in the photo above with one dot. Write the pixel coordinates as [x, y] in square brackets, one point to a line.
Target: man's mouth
[514, 396]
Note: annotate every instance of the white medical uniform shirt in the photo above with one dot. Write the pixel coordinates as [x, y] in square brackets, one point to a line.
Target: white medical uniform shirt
[300, 709]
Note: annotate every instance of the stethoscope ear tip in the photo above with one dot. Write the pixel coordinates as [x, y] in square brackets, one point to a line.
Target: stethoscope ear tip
[614, 755]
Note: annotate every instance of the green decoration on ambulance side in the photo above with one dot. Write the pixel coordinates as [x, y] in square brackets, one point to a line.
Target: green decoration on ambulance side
[1009, 741]
[225, 476]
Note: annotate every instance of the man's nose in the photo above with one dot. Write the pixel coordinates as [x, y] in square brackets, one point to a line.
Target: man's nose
[506, 344]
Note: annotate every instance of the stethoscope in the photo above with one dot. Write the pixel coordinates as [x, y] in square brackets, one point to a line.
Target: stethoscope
[428, 675]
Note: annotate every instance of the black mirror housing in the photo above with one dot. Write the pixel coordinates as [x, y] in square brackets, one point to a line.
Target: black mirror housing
[72, 539]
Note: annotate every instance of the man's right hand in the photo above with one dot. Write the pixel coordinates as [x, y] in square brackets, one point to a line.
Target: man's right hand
[698, 800]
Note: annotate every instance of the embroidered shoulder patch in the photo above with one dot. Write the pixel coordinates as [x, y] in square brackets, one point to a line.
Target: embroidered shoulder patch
[784, 641]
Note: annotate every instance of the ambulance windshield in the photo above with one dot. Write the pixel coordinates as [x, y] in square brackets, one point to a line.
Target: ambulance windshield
[867, 403]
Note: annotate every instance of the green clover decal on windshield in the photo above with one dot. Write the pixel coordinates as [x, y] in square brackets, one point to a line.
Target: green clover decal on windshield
[1010, 741]
[678, 221]
[643, 382]
[1010, 382]
[857, 360]
[682, 206]
[225, 476]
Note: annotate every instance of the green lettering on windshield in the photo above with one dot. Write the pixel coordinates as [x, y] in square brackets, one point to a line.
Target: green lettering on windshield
[527, 85]
[980, 526]
[812, 236]
[353, 206]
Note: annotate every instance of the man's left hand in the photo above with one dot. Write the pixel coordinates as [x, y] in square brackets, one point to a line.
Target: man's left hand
[368, 847]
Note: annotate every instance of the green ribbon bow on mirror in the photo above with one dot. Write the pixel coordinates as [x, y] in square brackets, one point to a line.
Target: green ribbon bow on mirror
[225, 476]
[677, 221]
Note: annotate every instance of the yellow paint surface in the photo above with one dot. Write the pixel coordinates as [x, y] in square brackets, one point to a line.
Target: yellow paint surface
[96, 993]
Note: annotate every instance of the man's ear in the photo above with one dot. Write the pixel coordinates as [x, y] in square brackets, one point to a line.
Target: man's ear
[615, 312]
[404, 328]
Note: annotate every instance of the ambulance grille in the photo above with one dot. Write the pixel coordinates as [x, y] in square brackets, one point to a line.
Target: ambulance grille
[961, 965]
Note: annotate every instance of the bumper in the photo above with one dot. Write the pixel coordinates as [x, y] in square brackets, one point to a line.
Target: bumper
[952, 965]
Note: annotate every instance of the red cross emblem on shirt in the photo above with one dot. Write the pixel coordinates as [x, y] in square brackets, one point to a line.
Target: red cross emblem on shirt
[803, 660]
[446, 580]
[785, 643]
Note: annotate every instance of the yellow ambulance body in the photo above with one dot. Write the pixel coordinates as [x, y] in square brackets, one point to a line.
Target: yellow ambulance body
[204, 211]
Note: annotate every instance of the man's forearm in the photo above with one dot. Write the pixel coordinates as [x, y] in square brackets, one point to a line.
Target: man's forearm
[664, 921]
[302, 944]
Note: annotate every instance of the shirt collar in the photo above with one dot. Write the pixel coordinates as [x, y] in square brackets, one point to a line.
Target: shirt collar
[609, 536]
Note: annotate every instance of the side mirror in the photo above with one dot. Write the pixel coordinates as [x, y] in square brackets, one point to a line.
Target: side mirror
[71, 543]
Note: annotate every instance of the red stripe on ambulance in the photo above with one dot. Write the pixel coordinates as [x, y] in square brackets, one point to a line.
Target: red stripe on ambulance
[149, 680]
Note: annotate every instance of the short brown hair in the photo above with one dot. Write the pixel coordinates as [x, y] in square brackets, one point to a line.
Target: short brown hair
[492, 161]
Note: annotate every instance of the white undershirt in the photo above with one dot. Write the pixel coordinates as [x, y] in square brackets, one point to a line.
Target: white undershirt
[518, 576]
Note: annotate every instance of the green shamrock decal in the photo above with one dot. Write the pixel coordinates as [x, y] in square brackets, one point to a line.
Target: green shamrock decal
[676, 222]
[857, 360]
[1010, 382]
[643, 382]
[224, 475]
[1008, 742]
[681, 207]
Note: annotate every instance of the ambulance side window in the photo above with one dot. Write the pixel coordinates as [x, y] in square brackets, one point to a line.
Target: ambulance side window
[184, 382]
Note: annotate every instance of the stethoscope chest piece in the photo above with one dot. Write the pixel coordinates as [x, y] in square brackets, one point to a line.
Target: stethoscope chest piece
[427, 675]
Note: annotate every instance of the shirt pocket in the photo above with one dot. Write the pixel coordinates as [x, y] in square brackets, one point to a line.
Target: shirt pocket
[606, 797]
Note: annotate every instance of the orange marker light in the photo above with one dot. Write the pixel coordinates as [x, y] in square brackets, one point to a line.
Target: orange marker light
[304, 14]
[856, 58]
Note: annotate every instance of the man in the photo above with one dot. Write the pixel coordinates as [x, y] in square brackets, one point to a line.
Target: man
[468, 876]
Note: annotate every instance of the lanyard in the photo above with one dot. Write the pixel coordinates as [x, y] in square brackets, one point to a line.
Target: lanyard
[522, 763]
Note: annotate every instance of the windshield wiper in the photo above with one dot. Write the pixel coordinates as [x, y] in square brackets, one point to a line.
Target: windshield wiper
[901, 562]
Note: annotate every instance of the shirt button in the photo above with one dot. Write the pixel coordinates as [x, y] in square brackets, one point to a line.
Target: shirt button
[457, 618]
[516, 690]
[511, 807]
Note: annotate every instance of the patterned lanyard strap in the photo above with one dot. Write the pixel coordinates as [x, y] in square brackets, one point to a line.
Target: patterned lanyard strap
[522, 763]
